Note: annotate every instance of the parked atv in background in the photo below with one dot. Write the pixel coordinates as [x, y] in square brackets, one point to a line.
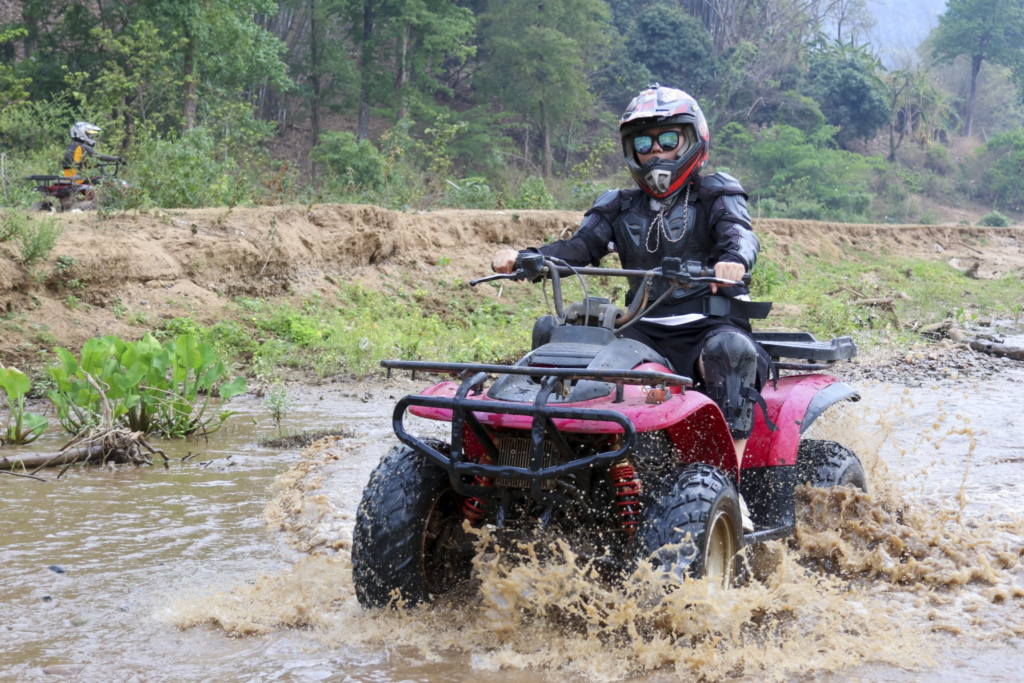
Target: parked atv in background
[66, 193]
[597, 439]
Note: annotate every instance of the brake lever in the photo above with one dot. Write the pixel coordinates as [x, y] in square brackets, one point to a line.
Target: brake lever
[518, 275]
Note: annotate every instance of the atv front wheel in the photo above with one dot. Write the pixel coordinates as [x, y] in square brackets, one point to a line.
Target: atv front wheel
[826, 464]
[41, 205]
[692, 525]
[408, 534]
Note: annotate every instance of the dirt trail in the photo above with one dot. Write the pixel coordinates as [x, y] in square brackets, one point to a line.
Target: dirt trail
[139, 268]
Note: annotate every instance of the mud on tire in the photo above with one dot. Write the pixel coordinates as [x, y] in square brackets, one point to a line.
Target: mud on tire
[826, 464]
[403, 537]
[692, 515]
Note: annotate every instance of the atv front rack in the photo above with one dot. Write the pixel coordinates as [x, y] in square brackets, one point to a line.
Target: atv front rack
[460, 468]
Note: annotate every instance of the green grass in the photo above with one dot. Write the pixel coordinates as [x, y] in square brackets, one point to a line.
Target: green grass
[826, 291]
[353, 331]
[412, 316]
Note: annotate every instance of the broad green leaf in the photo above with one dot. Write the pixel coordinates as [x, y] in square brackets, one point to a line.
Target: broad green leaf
[35, 423]
[59, 376]
[14, 382]
[233, 388]
[187, 349]
[68, 359]
[212, 375]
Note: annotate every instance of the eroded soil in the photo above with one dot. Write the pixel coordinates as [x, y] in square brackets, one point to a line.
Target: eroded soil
[130, 271]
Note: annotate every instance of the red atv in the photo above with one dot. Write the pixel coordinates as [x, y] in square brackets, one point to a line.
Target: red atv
[63, 193]
[597, 439]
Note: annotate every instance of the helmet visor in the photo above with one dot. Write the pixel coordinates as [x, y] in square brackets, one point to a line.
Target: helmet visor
[643, 143]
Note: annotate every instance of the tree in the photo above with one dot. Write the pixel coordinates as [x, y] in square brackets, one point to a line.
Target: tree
[538, 55]
[674, 47]
[983, 30]
[221, 46]
[843, 79]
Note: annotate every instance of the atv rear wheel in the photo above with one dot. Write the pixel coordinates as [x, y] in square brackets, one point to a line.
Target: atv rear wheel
[826, 464]
[407, 536]
[692, 525]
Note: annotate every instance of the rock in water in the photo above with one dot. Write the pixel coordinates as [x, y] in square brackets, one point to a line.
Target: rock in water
[63, 669]
[57, 569]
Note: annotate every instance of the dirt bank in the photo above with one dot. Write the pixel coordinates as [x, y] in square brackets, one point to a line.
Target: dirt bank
[122, 274]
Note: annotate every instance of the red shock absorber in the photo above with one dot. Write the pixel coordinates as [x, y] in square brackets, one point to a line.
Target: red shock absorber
[472, 507]
[627, 495]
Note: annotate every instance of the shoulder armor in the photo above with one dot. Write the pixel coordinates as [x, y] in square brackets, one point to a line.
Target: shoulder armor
[613, 202]
[607, 201]
[718, 184]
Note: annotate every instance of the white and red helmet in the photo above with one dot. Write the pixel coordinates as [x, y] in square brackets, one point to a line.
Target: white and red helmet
[660, 106]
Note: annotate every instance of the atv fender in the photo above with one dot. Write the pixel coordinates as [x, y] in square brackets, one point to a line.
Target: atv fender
[798, 401]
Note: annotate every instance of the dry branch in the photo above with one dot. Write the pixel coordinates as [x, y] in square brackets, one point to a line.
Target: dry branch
[103, 446]
[998, 350]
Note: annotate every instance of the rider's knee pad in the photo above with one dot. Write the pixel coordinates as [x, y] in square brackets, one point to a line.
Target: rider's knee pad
[730, 371]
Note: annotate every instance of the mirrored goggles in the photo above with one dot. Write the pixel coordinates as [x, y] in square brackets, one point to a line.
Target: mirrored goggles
[668, 141]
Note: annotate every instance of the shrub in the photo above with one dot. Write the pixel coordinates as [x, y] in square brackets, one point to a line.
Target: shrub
[471, 193]
[150, 388]
[1004, 178]
[349, 162]
[994, 220]
[36, 237]
[532, 194]
[278, 403]
[189, 171]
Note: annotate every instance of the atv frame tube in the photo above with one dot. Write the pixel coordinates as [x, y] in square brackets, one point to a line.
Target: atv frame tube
[463, 409]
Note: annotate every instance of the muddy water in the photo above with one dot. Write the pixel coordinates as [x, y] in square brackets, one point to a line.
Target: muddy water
[209, 570]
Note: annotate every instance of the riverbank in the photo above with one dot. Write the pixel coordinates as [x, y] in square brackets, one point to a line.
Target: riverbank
[312, 292]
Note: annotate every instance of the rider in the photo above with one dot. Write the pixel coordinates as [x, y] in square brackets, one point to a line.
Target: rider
[78, 155]
[678, 213]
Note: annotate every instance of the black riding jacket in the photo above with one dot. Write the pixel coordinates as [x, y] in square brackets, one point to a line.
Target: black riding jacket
[78, 158]
[712, 226]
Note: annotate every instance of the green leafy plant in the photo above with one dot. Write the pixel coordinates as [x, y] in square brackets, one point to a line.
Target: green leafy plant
[37, 238]
[151, 388]
[352, 162]
[532, 194]
[994, 220]
[278, 403]
[26, 427]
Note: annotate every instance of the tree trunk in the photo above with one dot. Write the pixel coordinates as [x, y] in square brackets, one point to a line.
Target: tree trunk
[969, 119]
[363, 129]
[402, 74]
[190, 79]
[314, 79]
[547, 140]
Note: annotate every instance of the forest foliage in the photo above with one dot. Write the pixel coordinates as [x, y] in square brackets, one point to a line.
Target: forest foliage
[511, 104]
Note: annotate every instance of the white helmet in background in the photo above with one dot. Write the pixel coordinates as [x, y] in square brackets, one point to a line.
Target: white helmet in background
[83, 132]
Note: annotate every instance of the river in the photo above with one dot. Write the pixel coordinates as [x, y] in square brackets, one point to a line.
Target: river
[186, 574]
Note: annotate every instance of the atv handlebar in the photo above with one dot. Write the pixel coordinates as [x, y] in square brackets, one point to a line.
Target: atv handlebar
[684, 274]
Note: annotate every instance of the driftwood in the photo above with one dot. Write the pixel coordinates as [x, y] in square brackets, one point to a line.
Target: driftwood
[101, 445]
[998, 350]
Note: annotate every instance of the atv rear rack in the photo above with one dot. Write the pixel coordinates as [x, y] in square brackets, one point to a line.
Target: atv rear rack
[460, 468]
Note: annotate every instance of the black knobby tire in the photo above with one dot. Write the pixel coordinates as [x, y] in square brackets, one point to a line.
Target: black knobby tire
[826, 464]
[404, 537]
[692, 515]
